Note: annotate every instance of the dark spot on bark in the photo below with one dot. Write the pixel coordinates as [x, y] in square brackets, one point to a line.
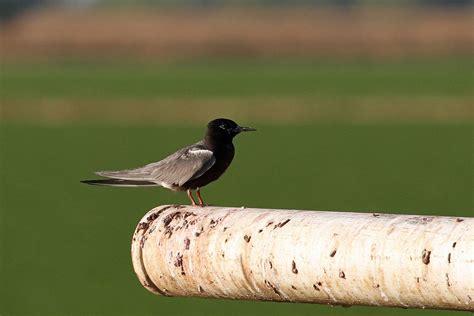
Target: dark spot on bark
[168, 232]
[316, 287]
[284, 223]
[459, 220]
[425, 256]
[152, 217]
[224, 229]
[273, 287]
[200, 289]
[320, 283]
[226, 240]
[269, 223]
[419, 220]
[142, 225]
[281, 224]
[469, 297]
[447, 279]
[270, 264]
[260, 230]
[179, 263]
[293, 267]
[170, 217]
[417, 280]
[375, 215]
[187, 242]
[449, 258]
[223, 255]
[427, 220]
[179, 260]
[187, 214]
[247, 238]
[333, 253]
[293, 287]
[198, 233]
[142, 241]
[342, 275]
[183, 224]
[376, 285]
[213, 223]
[454, 244]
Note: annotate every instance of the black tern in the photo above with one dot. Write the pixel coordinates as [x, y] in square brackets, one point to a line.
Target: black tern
[189, 168]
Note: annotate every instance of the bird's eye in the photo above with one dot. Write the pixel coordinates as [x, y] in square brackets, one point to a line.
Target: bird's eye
[222, 126]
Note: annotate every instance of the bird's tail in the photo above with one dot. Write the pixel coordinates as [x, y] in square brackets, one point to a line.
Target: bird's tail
[120, 183]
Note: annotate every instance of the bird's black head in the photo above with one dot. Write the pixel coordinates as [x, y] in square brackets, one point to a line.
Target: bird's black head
[225, 129]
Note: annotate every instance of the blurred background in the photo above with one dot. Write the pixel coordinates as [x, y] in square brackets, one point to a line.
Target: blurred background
[360, 105]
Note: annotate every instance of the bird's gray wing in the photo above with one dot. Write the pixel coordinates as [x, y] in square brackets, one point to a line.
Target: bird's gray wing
[176, 169]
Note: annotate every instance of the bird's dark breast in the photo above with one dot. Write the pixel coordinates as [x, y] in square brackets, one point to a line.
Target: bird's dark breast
[223, 159]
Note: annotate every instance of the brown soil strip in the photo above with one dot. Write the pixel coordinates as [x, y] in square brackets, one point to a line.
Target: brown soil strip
[271, 110]
[289, 32]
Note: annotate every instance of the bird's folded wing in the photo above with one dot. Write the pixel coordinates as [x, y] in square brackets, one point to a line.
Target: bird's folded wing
[176, 169]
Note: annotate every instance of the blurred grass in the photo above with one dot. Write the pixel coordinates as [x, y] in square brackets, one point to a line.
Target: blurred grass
[244, 78]
[65, 246]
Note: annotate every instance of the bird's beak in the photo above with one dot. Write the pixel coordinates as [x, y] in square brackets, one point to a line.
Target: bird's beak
[246, 129]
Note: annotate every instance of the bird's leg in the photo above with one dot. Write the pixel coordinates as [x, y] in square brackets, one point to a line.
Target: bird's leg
[190, 196]
[201, 202]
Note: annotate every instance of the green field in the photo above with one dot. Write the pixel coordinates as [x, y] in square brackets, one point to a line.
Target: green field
[65, 246]
[224, 78]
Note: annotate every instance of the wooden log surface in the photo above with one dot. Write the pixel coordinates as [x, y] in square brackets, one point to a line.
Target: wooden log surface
[337, 258]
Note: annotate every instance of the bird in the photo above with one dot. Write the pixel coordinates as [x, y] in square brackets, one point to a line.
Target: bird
[187, 169]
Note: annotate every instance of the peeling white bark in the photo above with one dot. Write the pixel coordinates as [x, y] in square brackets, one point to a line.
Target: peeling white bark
[336, 258]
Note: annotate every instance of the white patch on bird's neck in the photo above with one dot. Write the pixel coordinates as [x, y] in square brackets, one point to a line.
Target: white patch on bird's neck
[199, 152]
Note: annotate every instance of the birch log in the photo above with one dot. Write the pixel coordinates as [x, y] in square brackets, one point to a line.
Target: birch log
[336, 258]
